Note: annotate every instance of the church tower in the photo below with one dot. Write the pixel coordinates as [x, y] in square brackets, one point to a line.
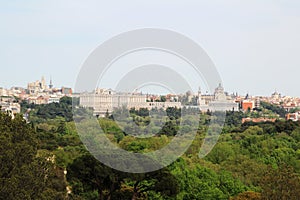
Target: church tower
[199, 96]
[50, 85]
[43, 83]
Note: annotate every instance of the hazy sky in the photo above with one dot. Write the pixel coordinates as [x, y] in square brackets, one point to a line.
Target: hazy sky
[254, 44]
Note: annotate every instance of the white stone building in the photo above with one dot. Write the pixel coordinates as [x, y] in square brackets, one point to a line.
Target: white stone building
[105, 100]
[219, 101]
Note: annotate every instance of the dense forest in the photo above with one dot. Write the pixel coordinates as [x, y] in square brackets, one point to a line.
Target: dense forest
[45, 158]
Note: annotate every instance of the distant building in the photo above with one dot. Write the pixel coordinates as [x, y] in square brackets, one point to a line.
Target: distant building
[257, 120]
[293, 116]
[39, 93]
[248, 105]
[66, 91]
[37, 86]
[7, 99]
[217, 102]
[276, 95]
[158, 105]
[257, 103]
[53, 99]
[3, 92]
[105, 100]
[13, 108]
[38, 100]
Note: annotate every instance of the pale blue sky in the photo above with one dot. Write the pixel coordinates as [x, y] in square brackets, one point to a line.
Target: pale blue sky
[254, 44]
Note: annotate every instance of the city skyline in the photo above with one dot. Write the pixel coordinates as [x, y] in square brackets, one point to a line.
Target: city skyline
[254, 45]
[49, 82]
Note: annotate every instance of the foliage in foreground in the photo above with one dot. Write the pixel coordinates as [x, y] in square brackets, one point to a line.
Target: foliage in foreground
[250, 161]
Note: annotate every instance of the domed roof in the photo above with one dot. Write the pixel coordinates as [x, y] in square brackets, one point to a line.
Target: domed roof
[219, 89]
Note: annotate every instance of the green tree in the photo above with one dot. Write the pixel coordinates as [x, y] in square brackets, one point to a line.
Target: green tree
[66, 100]
[248, 195]
[281, 183]
[86, 174]
[276, 109]
[24, 174]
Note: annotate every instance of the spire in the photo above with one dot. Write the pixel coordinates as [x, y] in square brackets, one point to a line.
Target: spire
[50, 85]
[247, 96]
[199, 90]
